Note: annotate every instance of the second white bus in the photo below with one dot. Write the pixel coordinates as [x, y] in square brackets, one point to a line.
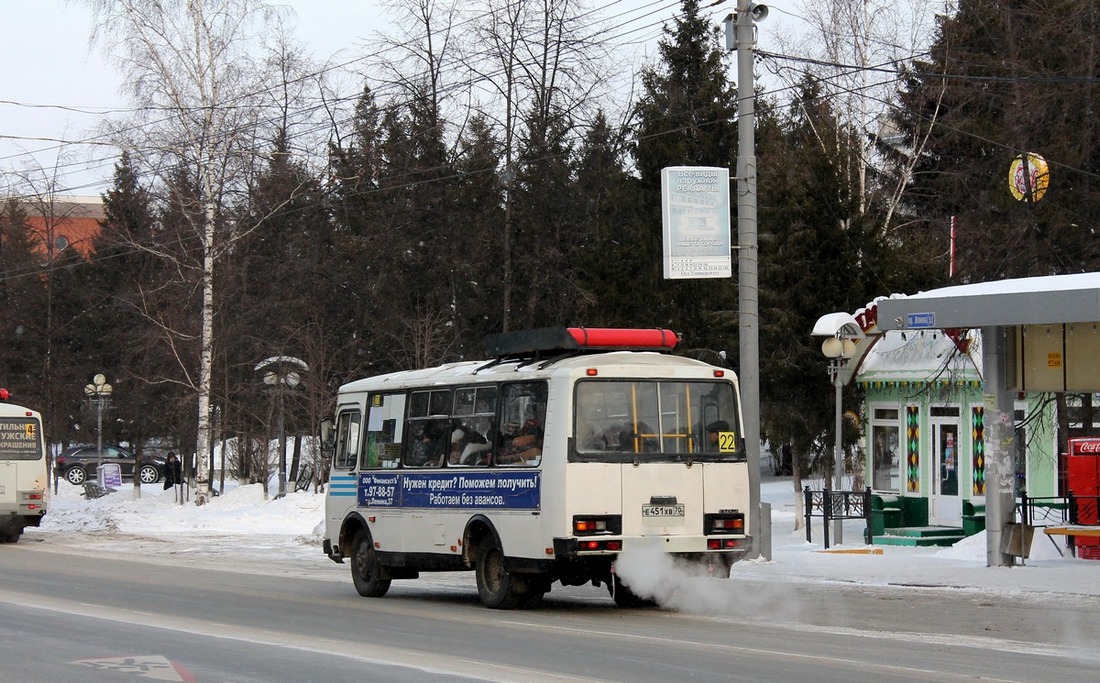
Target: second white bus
[24, 469]
[541, 464]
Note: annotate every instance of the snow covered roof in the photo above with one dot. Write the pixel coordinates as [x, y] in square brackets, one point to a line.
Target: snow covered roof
[921, 356]
[1021, 301]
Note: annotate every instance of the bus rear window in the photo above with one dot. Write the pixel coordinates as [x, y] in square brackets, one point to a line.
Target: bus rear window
[656, 418]
[20, 439]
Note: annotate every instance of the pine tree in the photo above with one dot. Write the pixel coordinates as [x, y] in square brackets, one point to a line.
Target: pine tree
[22, 298]
[543, 223]
[609, 206]
[985, 95]
[123, 273]
[684, 118]
[478, 205]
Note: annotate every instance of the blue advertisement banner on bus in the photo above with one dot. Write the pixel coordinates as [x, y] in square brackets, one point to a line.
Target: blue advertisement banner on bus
[518, 490]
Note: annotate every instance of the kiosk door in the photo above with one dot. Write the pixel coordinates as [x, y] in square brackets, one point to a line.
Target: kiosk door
[946, 507]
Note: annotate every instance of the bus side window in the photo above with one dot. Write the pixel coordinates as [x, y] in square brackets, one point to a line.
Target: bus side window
[384, 420]
[428, 443]
[473, 426]
[428, 428]
[347, 440]
[523, 413]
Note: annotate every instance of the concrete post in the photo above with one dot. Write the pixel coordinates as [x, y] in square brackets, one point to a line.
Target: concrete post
[1000, 444]
[747, 293]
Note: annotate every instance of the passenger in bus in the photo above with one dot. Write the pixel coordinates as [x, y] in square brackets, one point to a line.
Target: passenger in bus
[428, 448]
[525, 446]
[466, 444]
[640, 439]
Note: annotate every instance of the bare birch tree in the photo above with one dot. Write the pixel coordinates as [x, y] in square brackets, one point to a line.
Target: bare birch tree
[857, 49]
[191, 74]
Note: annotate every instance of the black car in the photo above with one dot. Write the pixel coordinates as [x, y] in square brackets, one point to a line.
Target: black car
[78, 464]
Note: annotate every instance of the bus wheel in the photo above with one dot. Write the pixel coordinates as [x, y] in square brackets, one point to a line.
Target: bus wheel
[495, 585]
[624, 597]
[366, 573]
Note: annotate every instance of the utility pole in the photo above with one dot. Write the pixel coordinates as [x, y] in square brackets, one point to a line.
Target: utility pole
[1000, 501]
[747, 291]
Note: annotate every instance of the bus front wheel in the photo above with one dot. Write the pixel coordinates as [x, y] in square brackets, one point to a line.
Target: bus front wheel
[495, 584]
[366, 573]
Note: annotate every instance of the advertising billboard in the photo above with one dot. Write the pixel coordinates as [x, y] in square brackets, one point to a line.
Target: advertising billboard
[695, 208]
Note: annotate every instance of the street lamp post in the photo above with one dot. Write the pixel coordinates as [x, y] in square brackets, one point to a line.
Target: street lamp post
[281, 373]
[839, 351]
[99, 392]
[841, 332]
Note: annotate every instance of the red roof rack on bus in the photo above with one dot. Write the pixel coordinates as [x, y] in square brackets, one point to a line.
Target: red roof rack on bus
[547, 341]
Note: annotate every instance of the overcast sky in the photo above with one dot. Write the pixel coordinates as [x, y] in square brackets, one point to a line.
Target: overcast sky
[55, 87]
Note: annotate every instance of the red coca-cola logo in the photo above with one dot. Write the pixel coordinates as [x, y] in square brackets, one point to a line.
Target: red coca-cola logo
[1085, 446]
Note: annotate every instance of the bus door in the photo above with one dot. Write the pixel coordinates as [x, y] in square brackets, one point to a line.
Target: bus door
[379, 483]
[343, 473]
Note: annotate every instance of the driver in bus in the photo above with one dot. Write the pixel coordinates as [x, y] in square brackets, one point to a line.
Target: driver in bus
[712, 434]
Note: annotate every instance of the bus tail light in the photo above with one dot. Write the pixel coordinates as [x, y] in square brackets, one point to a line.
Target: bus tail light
[32, 500]
[723, 523]
[589, 525]
[592, 545]
[723, 543]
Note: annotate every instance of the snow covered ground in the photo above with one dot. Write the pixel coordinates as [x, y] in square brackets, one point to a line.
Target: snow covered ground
[241, 531]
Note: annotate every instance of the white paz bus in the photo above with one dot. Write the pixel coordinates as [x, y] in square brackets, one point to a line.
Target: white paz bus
[542, 463]
[24, 469]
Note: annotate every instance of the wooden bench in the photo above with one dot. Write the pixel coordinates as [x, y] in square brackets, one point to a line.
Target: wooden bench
[1070, 530]
[92, 490]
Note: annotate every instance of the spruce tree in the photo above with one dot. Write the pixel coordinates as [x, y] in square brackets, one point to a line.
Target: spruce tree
[685, 117]
[1005, 77]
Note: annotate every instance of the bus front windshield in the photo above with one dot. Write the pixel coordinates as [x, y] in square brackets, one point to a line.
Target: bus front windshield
[656, 419]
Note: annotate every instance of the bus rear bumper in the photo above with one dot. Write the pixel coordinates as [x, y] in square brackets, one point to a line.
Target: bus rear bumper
[595, 546]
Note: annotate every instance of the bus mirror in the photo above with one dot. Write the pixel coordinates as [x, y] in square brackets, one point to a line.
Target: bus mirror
[327, 433]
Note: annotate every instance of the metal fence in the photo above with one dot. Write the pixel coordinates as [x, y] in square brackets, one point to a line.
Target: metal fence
[1055, 510]
[832, 505]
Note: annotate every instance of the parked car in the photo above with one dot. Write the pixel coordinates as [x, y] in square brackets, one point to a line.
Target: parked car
[79, 464]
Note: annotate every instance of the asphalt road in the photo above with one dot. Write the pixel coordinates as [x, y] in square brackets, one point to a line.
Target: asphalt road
[67, 614]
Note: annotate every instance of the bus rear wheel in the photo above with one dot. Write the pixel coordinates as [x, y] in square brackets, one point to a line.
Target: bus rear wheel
[366, 573]
[496, 586]
[624, 597]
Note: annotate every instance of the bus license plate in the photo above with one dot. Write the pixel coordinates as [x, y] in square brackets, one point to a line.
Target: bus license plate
[663, 510]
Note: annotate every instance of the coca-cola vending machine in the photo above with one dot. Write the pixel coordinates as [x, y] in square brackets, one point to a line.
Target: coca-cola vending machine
[1083, 479]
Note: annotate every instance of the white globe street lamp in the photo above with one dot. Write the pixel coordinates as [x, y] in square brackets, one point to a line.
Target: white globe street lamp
[99, 392]
[841, 332]
[281, 373]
